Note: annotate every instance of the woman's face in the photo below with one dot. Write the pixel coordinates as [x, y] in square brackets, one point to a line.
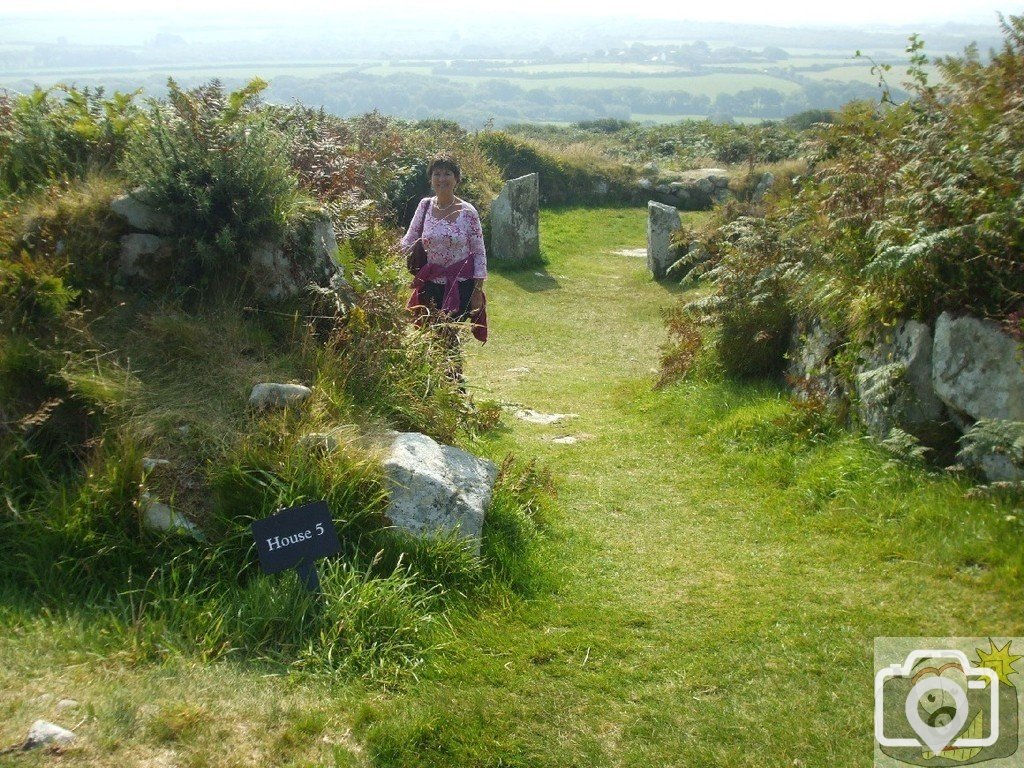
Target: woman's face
[443, 180]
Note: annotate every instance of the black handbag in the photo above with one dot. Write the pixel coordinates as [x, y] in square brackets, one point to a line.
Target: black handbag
[417, 257]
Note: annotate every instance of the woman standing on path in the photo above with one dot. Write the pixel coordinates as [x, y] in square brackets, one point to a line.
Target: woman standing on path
[450, 285]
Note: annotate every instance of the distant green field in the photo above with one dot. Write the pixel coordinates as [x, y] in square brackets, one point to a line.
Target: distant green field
[395, 69]
[597, 67]
[803, 62]
[861, 72]
[708, 85]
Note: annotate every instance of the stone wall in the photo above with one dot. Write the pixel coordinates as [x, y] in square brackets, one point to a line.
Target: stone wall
[957, 385]
[696, 190]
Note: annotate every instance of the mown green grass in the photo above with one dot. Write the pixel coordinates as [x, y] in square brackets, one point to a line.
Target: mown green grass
[707, 589]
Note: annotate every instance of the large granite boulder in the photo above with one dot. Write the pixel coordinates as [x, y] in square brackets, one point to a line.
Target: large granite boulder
[515, 220]
[662, 221]
[437, 489]
[977, 370]
[894, 385]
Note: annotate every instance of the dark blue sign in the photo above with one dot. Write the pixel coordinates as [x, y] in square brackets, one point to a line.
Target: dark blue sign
[297, 538]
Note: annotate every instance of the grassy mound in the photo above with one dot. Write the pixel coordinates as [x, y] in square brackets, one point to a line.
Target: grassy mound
[118, 396]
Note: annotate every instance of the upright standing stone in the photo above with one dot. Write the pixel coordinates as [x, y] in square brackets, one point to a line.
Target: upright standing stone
[515, 220]
[662, 221]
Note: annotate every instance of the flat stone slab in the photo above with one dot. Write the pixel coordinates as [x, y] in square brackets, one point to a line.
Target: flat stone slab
[536, 417]
[633, 253]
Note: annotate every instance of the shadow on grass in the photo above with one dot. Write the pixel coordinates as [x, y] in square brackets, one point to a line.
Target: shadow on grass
[673, 287]
[531, 276]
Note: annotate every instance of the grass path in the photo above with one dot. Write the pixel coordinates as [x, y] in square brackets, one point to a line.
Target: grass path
[717, 599]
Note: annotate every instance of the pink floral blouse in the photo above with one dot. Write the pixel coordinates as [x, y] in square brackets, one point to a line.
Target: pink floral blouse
[448, 240]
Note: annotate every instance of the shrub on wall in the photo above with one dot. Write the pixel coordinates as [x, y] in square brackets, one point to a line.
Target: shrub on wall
[568, 176]
[220, 170]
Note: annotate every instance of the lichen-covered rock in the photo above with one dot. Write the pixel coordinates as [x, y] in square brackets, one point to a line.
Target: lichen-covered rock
[763, 185]
[662, 221]
[271, 395]
[437, 489]
[996, 447]
[810, 371]
[515, 220]
[894, 385]
[139, 215]
[977, 369]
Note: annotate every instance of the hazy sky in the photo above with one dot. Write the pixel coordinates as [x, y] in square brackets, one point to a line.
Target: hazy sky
[821, 12]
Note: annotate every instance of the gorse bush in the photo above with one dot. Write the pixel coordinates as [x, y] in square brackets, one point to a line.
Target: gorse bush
[220, 170]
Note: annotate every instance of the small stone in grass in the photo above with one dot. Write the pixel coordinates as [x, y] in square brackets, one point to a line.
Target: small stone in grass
[43, 733]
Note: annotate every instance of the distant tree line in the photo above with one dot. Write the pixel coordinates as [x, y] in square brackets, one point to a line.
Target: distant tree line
[417, 97]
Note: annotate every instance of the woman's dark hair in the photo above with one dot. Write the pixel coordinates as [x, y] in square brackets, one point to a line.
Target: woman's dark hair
[445, 161]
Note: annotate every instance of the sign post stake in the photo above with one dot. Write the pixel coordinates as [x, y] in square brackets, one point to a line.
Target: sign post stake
[308, 576]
